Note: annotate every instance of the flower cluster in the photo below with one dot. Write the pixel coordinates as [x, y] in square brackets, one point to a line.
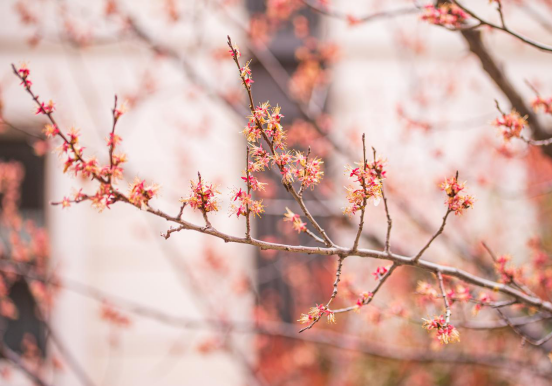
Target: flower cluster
[295, 219]
[46, 108]
[113, 316]
[380, 272]
[234, 51]
[202, 197]
[311, 72]
[24, 72]
[455, 201]
[140, 194]
[242, 202]
[483, 300]
[315, 313]
[461, 294]
[265, 121]
[508, 274]
[428, 292]
[446, 333]
[74, 160]
[542, 104]
[308, 171]
[511, 125]
[363, 299]
[369, 179]
[447, 15]
[246, 74]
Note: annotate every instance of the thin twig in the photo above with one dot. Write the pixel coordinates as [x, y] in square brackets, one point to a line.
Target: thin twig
[386, 209]
[23, 131]
[112, 134]
[248, 226]
[302, 187]
[334, 293]
[325, 10]
[50, 116]
[363, 183]
[439, 232]
[69, 358]
[444, 296]
[381, 282]
[204, 212]
[270, 143]
[512, 280]
[519, 332]
[504, 28]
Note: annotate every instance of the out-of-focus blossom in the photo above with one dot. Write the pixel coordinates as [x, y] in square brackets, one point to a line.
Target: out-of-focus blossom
[315, 313]
[456, 202]
[447, 15]
[511, 125]
[445, 332]
[298, 225]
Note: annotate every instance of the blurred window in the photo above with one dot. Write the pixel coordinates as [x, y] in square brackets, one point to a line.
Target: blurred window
[18, 148]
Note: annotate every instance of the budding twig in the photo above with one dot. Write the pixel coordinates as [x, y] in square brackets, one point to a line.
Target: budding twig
[204, 212]
[512, 280]
[248, 183]
[270, 143]
[381, 282]
[444, 296]
[334, 293]
[503, 27]
[302, 187]
[439, 232]
[112, 134]
[388, 217]
[362, 218]
[50, 115]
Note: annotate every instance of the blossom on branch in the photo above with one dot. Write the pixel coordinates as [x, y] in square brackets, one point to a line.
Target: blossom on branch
[363, 299]
[24, 72]
[369, 179]
[455, 201]
[246, 74]
[508, 274]
[425, 289]
[242, 202]
[46, 108]
[295, 219]
[511, 125]
[140, 194]
[308, 171]
[315, 313]
[542, 104]
[113, 316]
[447, 15]
[113, 140]
[446, 333]
[483, 300]
[202, 197]
[234, 51]
[380, 272]
[50, 131]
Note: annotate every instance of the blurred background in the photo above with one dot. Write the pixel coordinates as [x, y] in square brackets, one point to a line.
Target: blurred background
[102, 299]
